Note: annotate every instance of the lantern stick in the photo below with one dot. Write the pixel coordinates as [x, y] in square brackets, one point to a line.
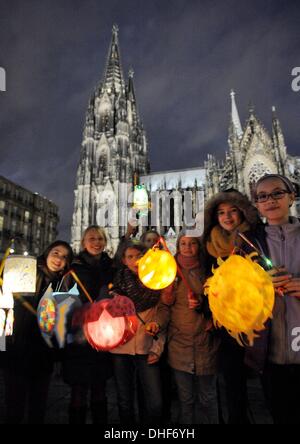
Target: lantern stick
[265, 258]
[25, 303]
[7, 252]
[155, 337]
[78, 281]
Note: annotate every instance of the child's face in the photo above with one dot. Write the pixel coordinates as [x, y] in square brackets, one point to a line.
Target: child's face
[188, 247]
[57, 259]
[229, 217]
[277, 206]
[94, 242]
[150, 240]
[131, 258]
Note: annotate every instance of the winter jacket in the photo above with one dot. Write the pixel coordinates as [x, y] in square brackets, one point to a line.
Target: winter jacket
[190, 348]
[146, 302]
[282, 245]
[26, 348]
[82, 365]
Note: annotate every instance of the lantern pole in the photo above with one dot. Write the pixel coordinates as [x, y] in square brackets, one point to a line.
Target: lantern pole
[7, 253]
[78, 281]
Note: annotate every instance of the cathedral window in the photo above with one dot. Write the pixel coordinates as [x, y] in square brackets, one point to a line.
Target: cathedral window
[257, 171]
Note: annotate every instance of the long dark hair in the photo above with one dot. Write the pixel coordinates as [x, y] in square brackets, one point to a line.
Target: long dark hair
[42, 260]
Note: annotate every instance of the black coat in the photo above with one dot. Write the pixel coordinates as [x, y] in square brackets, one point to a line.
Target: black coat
[82, 364]
[26, 349]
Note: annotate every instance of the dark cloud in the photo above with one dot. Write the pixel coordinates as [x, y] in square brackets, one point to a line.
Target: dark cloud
[187, 55]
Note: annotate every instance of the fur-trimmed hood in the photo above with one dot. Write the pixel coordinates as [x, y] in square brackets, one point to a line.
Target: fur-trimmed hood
[235, 198]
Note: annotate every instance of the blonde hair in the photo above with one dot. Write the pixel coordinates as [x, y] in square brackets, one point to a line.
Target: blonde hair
[100, 230]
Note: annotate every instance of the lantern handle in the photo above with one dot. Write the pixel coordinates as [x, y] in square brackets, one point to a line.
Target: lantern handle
[78, 281]
[7, 253]
[155, 337]
[163, 242]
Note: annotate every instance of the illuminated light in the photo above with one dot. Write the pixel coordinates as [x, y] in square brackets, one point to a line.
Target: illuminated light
[110, 323]
[157, 269]
[19, 274]
[141, 199]
[241, 297]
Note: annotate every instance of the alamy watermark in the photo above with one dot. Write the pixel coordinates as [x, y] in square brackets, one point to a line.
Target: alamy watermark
[2, 79]
[296, 340]
[115, 208]
[296, 80]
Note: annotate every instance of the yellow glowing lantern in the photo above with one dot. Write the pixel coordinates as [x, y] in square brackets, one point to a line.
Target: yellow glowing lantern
[157, 269]
[241, 297]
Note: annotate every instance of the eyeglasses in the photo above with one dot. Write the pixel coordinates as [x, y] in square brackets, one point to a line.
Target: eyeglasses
[276, 195]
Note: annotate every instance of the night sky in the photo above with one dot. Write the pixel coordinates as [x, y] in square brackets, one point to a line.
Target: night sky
[187, 55]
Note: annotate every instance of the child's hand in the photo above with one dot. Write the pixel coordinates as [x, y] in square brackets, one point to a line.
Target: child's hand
[152, 328]
[280, 277]
[209, 325]
[194, 303]
[293, 287]
[152, 358]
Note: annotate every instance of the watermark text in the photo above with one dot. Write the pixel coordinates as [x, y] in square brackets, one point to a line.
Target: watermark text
[2, 79]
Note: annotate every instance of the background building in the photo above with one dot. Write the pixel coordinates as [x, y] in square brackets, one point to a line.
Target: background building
[26, 216]
[114, 148]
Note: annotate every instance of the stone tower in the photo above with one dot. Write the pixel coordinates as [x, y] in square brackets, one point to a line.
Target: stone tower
[114, 149]
[253, 152]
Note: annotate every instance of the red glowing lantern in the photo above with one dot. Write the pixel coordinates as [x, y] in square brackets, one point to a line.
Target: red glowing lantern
[110, 323]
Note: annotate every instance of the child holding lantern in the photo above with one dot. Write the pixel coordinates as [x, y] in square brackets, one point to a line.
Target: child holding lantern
[84, 368]
[29, 361]
[141, 353]
[192, 347]
[277, 351]
[225, 215]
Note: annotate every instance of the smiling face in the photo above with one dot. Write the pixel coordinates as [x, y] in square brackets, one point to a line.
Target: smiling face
[94, 242]
[130, 259]
[229, 217]
[275, 210]
[57, 259]
[150, 240]
[188, 246]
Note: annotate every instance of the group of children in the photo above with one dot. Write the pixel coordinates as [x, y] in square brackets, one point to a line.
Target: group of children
[174, 325]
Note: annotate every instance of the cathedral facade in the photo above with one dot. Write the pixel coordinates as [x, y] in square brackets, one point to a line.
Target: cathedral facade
[114, 153]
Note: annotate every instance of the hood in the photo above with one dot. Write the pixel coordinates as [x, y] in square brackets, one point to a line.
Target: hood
[235, 198]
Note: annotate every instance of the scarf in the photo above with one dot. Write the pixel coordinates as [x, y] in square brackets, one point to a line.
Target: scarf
[188, 263]
[222, 243]
[127, 283]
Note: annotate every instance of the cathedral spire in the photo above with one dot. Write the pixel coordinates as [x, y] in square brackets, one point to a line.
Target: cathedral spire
[278, 141]
[235, 118]
[131, 92]
[113, 77]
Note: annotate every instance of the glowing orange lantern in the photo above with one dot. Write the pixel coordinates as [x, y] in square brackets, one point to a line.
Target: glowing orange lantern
[241, 297]
[110, 323]
[157, 268]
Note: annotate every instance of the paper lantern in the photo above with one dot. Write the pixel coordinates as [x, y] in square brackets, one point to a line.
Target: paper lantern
[19, 275]
[241, 297]
[110, 323]
[140, 199]
[157, 269]
[54, 315]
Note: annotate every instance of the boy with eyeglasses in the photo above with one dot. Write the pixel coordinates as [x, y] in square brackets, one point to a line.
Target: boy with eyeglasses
[279, 240]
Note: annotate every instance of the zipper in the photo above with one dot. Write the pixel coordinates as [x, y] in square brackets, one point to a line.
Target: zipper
[285, 322]
[282, 235]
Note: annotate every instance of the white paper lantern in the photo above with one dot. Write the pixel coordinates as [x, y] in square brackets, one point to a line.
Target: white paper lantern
[6, 300]
[19, 275]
